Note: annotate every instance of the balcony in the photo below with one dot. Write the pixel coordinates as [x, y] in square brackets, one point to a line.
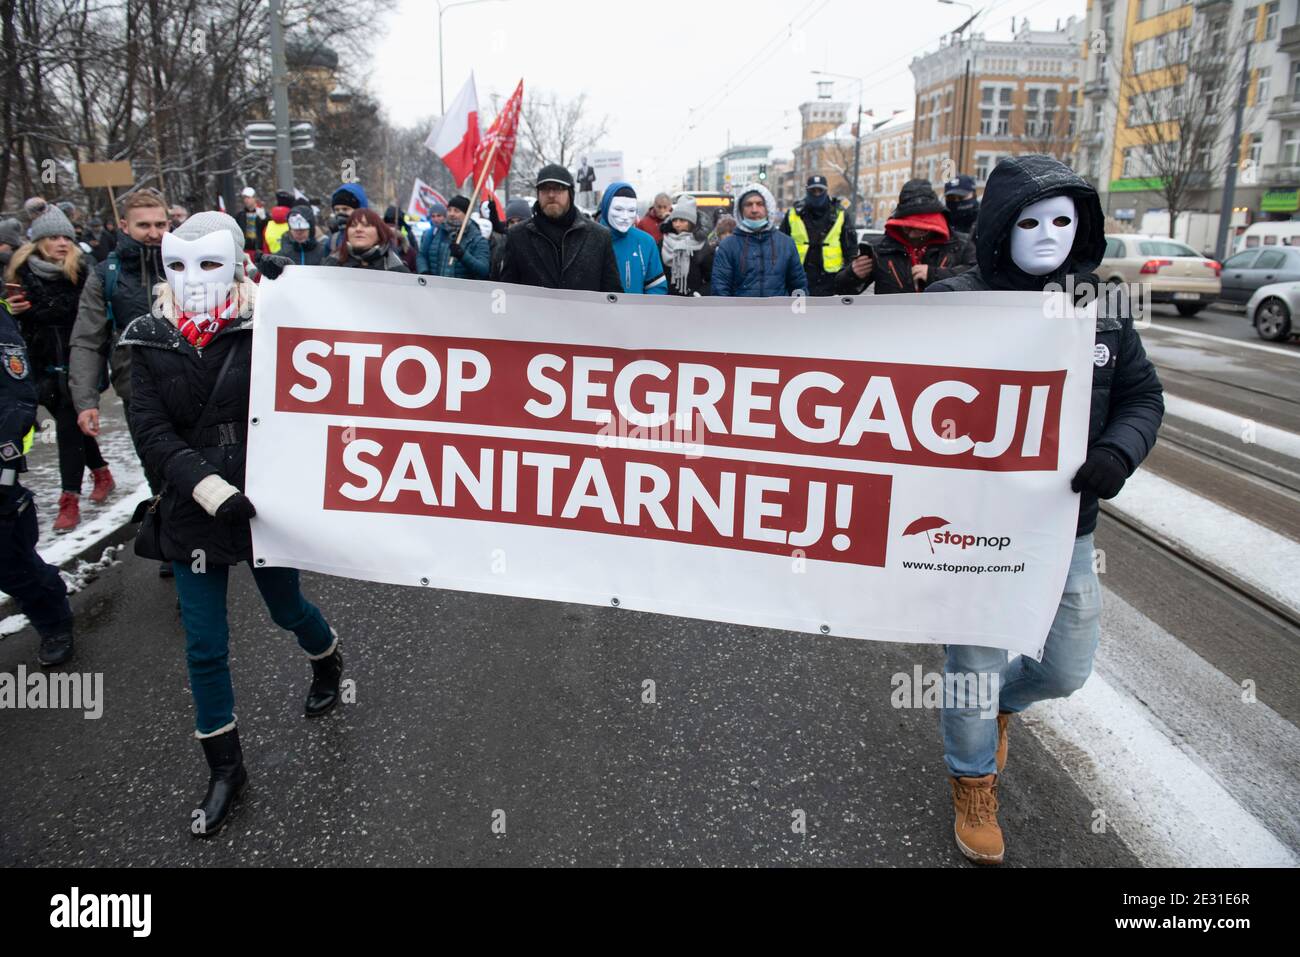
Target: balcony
[1097, 87]
[1210, 4]
[1289, 41]
[1284, 107]
[1278, 174]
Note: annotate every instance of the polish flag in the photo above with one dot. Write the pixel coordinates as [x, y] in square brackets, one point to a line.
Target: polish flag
[457, 135]
[499, 143]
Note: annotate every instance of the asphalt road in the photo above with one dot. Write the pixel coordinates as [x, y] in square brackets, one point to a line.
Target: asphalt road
[468, 704]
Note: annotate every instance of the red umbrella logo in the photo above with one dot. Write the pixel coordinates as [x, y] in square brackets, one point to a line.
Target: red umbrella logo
[926, 524]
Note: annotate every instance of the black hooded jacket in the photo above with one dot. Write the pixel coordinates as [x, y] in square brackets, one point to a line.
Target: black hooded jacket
[891, 270]
[1127, 398]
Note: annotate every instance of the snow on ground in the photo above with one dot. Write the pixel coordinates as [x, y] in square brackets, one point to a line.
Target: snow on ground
[1234, 426]
[1206, 530]
[97, 521]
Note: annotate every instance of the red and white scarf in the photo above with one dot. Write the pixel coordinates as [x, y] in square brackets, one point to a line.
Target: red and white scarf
[201, 328]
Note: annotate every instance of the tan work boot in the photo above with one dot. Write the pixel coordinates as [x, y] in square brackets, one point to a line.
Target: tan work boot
[1001, 755]
[976, 827]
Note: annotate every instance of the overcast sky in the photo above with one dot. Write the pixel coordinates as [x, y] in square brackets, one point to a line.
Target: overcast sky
[678, 77]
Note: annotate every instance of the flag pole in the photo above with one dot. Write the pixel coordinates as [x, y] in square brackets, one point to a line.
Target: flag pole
[478, 185]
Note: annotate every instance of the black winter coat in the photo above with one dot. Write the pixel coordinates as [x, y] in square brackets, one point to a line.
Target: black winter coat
[1127, 398]
[310, 253]
[388, 262]
[892, 271]
[172, 383]
[584, 259]
[47, 328]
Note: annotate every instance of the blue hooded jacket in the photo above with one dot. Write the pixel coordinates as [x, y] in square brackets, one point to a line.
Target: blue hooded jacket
[639, 267]
[758, 262]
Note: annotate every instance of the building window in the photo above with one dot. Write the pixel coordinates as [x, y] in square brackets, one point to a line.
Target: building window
[1262, 84]
[1135, 163]
[1290, 147]
[995, 110]
[983, 164]
[1295, 80]
[1270, 20]
[1256, 152]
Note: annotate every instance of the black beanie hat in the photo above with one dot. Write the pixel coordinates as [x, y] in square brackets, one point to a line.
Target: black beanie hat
[458, 202]
[555, 173]
[625, 191]
[345, 197]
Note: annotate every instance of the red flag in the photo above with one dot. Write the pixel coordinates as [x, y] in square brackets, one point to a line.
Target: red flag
[502, 133]
[456, 137]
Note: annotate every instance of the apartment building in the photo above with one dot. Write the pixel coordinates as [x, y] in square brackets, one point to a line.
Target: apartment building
[978, 100]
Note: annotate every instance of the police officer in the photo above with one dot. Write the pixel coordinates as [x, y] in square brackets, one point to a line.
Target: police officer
[824, 237]
[34, 584]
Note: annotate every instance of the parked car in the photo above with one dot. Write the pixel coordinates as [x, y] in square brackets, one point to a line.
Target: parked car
[1271, 308]
[1247, 271]
[1174, 271]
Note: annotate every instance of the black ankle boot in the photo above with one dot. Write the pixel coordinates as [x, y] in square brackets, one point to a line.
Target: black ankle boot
[56, 647]
[224, 784]
[327, 672]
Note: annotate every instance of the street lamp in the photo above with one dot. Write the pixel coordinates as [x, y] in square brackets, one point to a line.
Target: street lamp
[442, 103]
[857, 141]
[965, 99]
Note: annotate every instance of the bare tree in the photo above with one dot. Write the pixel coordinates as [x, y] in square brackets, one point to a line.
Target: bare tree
[552, 130]
[1175, 103]
[166, 84]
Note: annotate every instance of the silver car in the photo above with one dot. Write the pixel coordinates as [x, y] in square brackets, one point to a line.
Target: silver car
[1271, 308]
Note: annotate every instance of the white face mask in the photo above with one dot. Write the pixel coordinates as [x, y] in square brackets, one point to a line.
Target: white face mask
[200, 271]
[622, 213]
[1043, 235]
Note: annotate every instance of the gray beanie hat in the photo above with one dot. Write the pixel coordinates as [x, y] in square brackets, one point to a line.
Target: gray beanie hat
[11, 233]
[212, 221]
[686, 209]
[52, 222]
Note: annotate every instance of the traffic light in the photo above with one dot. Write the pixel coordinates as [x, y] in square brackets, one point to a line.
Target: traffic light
[762, 172]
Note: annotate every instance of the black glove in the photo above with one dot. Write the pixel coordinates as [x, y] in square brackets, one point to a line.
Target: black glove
[456, 251]
[237, 508]
[271, 266]
[1103, 474]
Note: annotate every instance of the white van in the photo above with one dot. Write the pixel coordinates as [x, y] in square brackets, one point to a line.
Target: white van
[1284, 233]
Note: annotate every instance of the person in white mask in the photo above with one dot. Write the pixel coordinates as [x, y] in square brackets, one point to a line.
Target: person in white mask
[639, 265]
[190, 373]
[1041, 224]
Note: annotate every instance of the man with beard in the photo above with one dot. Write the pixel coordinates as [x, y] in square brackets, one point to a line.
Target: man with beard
[558, 247]
[822, 234]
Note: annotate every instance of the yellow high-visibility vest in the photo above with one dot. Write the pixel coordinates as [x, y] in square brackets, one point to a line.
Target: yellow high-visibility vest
[28, 439]
[832, 253]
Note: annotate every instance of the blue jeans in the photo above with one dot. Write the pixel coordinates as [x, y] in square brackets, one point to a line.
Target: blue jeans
[207, 632]
[970, 735]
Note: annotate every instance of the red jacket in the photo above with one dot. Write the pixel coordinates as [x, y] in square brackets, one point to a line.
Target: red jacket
[651, 226]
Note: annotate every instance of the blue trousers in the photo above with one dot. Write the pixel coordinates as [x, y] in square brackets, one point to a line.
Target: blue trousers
[34, 583]
[207, 632]
[970, 735]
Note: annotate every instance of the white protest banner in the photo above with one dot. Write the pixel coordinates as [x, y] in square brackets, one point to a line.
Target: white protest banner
[423, 196]
[890, 467]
